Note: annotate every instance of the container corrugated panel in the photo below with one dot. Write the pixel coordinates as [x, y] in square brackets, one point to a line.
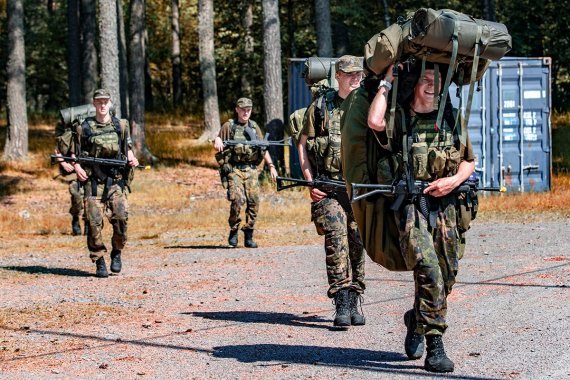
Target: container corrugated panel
[509, 125]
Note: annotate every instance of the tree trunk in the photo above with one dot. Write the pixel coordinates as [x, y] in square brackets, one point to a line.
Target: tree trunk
[137, 54]
[341, 38]
[176, 60]
[89, 68]
[273, 85]
[208, 68]
[73, 53]
[386, 13]
[323, 26]
[16, 146]
[291, 27]
[489, 10]
[247, 22]
[109, 45]
[123, 65]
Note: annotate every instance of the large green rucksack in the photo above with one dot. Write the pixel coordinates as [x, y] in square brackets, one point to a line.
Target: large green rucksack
[70, 119]
[465, 44]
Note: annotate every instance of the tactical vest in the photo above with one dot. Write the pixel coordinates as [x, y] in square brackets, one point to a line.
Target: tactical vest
[324, 149]
[434, 151]
[102, 142]
[242, 153]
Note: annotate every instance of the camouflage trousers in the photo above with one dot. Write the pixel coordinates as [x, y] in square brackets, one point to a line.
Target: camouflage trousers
[436, 252]
[343, 245]
[76, 191]
[115, 207]
[243, 189]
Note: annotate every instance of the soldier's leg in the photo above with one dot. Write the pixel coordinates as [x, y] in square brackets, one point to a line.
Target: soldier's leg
[236, 195]
[448, 245]
[76, 206]
[251, 186]
[94, 217]
[356, 254]
[331, 221]
[118, 214]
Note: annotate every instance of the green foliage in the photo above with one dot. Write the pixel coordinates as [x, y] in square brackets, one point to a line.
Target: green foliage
[538, 29]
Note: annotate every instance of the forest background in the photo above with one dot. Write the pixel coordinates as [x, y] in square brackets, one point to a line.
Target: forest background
[175, 77]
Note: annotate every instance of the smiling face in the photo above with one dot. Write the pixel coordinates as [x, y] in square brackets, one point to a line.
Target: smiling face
[348, 82]
[425, 88]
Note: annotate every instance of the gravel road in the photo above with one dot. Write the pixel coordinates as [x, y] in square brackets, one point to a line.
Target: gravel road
[181, 310]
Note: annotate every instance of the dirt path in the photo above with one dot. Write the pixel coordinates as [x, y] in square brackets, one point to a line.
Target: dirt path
[184, 310]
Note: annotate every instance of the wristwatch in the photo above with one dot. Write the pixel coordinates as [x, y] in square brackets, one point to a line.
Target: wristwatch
[387, 85]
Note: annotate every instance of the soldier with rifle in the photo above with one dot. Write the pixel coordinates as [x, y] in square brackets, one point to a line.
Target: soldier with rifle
[319, 156]
[103, 159]
[240, 150]
[417, 172]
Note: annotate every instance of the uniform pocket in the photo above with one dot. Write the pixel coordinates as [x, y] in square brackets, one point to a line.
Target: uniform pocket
[420, 160]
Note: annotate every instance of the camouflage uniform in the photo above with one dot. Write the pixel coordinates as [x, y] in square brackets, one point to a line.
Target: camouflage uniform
[432, 243]
[333, 216]
[242, 179]
[105, 191]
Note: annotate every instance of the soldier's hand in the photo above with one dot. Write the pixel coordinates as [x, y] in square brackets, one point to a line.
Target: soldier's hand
[441, 187]
[218, 144]
[317, 195]
[273, 173]
[132, 160]
[81, 175]
[67, 166]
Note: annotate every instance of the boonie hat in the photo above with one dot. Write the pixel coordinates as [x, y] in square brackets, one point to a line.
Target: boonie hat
[348, 64]
[102, 94]
[244, 102]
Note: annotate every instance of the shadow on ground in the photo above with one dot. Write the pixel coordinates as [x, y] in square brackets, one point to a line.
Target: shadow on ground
[38, 269]
[265, 317]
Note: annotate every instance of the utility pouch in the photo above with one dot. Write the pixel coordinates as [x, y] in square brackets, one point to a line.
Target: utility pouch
[420, 160]
[453, 159]
[467, 206]
[436, 162]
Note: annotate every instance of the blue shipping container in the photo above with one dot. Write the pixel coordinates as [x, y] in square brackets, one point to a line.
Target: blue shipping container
[509, 124]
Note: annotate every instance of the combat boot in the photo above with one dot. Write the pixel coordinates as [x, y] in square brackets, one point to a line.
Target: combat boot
[233, 238]
[342, 303]
[436, 359]
[101, 268]
[116, 261]
[75, 226]
[356, 317]
[414, 342]
[249, 243]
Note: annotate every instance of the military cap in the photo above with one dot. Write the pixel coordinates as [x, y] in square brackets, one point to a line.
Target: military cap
[102, 94]
[244, 102]
[349, 64]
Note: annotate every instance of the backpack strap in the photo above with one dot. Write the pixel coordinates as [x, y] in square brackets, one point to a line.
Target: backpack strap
[390, 128]
[472, 82]
[450, 70]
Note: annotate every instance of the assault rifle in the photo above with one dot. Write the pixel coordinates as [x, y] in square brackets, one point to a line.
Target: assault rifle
[263, 144]
[403, 190]
[55, 159]
[326, 185]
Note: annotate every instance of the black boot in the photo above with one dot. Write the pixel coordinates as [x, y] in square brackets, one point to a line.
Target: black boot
[436, 359]
[115, 261]
[101, 268]
[75, 226]
[342, 302]
[356, 317]
[249, 243]
[414, 342]
[233, 239]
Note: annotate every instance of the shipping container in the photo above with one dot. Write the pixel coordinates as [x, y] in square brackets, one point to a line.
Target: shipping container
[509, 125]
